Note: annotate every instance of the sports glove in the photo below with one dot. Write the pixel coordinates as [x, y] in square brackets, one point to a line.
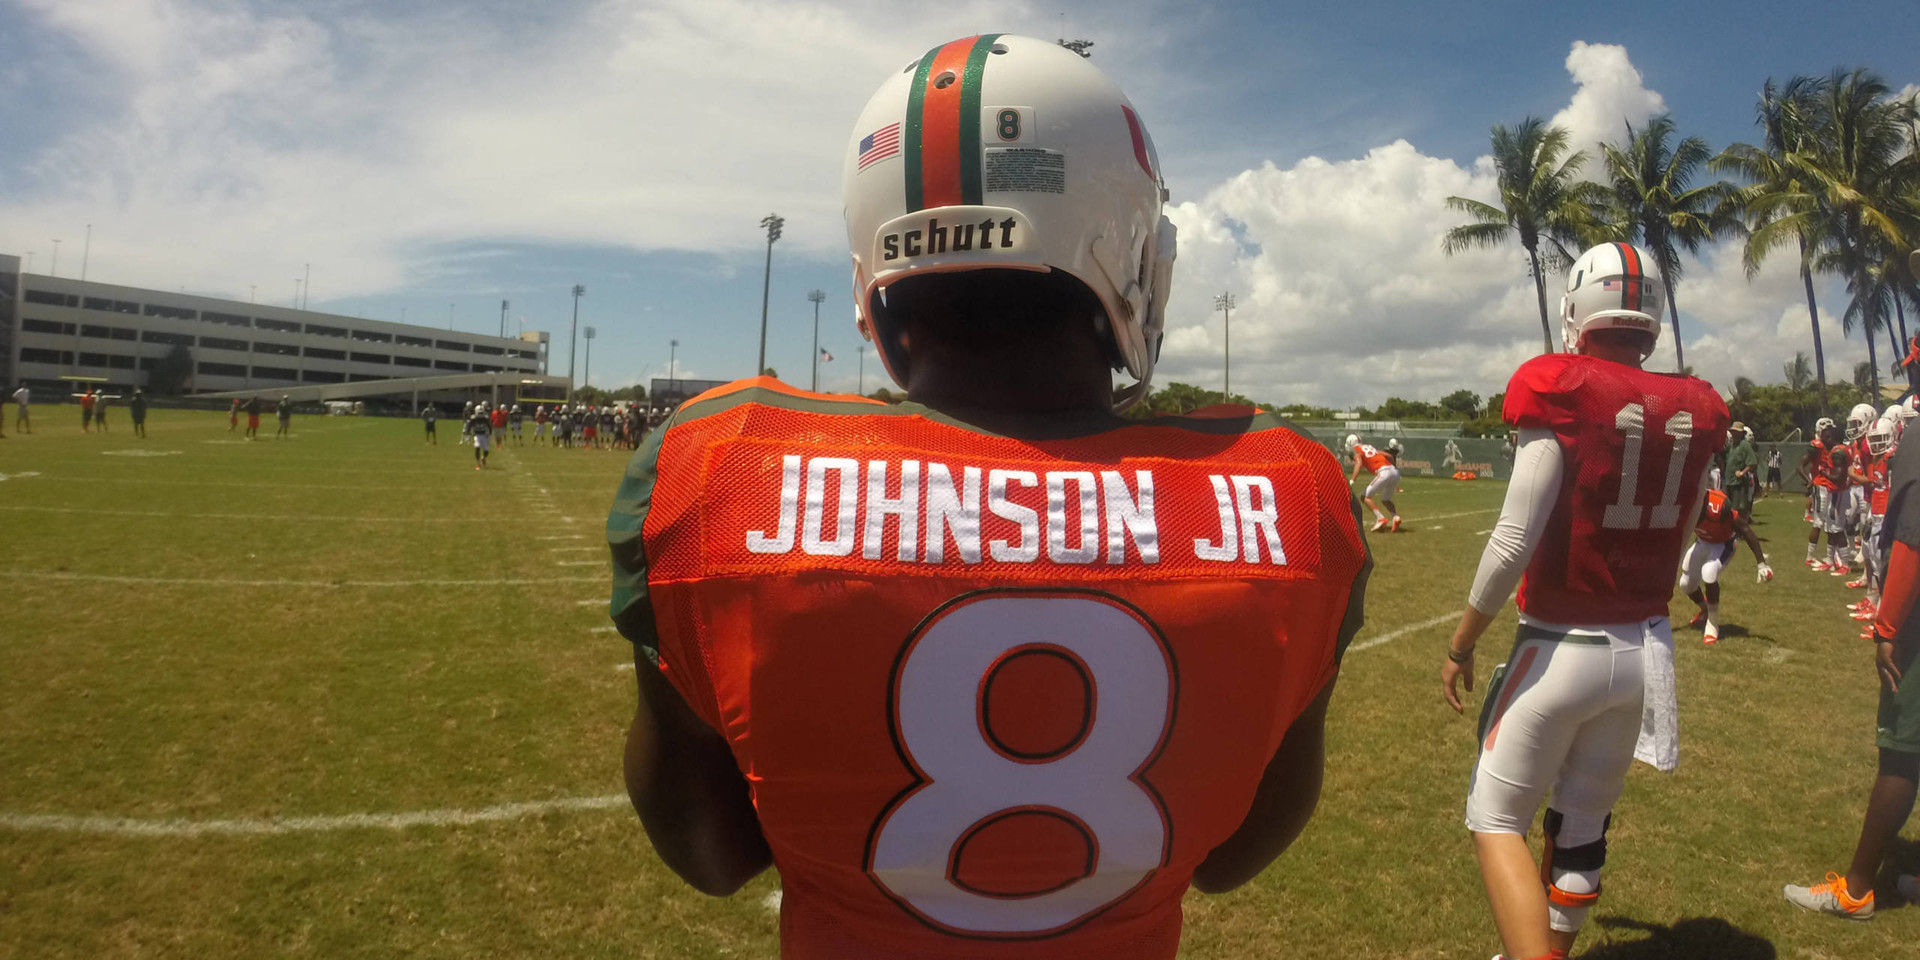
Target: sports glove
[1764, 574]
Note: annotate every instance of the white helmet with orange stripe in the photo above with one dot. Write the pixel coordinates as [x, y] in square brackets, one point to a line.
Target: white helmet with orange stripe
[1613, 286]
[1007, 152]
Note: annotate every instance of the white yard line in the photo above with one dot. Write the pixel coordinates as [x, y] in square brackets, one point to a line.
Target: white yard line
[590, 546]
[1395, 634]
[623, 668]
[596, 601]
[578, 563]
[213, 582]
[564, 536]
[131, 827]
[1450, 516]
[1482, 533]
[603, 630]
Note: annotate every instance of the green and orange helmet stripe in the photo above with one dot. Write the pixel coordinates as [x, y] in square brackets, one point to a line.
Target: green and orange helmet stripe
[941, 137]
[1633, 277]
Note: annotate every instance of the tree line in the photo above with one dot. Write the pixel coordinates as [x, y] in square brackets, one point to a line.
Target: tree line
[1834, 180]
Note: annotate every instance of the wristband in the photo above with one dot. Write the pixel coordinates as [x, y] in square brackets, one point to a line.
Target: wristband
[1458, 656]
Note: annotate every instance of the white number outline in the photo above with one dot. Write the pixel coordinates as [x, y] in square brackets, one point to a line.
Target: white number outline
[1137, 777]
[1624, 513]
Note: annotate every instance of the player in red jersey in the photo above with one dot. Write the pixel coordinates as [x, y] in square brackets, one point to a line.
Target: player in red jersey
[1881, 441]
[1824, 468]
[1612, 459]
[1712, 549]
[1386, 480]
[994, 672]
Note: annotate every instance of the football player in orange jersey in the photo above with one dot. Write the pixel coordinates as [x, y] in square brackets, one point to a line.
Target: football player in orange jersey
[1712, 548]
[1612, 459]
[1385, 482]
[993, 672]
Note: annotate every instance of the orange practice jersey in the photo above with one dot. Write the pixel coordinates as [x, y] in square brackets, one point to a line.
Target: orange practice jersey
[1371, 458]
[1716, 519]
[994, 697]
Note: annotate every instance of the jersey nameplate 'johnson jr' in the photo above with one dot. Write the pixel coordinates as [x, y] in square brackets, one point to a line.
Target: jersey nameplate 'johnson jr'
[1637, 445]
[986, 688]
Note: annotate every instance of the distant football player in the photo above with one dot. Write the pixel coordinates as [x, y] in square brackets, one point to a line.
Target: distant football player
[1826, 458]
[431, 417]
[233, 415]
[514, 419]
[253, 417]
[1712, 550]
[138, 408]
[995, 672]
[1612, 462]
[283, 412]
[480, 427]
[1881, 442]
[1385, 482]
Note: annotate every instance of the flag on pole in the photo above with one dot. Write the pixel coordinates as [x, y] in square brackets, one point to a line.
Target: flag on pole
[825, 357]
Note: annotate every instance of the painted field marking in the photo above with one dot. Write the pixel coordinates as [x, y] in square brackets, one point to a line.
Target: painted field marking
[1399, 632]
[1482, 533]
[19, 476]
[130, 827]
[564, 536]
[603, 629]
[587, 546]
[1436, 527]
[141, 453]
[1467, 513]
[211, 582]
[623, 668]
[246, 516]
[596, 601]
[578, 563]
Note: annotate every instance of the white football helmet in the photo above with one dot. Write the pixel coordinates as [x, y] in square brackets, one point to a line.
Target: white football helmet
[1884, 433]
[1860, 419]
[1007, 152]
[1820, 426]
[1612, 286]
[1353, 440]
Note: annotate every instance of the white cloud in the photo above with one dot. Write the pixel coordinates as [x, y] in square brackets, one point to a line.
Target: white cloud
[249, 142]
[1345, 297]
[1611, 94]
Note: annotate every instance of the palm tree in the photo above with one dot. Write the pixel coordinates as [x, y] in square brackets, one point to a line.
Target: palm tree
[1798, 372]
[1653, 202]
[1778, 203]
[1541, 198]
[1864, 181]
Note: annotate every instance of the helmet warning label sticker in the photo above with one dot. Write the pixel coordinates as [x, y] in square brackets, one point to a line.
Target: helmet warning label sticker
[1024, 170]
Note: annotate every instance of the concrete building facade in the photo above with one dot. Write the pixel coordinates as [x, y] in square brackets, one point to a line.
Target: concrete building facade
[54, 330]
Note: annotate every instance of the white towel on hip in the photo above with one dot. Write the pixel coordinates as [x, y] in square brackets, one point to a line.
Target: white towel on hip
[1659, 744]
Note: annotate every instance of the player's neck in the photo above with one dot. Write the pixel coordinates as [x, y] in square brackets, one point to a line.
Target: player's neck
[1615, 353]
[1011, 386]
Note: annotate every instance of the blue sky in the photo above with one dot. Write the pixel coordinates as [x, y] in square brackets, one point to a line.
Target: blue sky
[444, 157]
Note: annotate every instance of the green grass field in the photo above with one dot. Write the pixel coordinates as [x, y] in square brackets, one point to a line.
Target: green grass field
[213, 652]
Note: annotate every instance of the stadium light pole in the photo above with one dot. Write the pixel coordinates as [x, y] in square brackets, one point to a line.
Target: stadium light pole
[503, 319]
[773, 222]
[586, 373]
[572, 334]
[816, 297]
[55, 269]
[673, 347]
[1224, 303]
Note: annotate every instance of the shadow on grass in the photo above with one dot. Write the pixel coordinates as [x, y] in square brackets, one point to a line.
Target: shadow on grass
[1695, 938]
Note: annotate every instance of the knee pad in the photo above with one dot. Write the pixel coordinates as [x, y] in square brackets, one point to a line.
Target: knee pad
[1687, 585]
[1572, 872]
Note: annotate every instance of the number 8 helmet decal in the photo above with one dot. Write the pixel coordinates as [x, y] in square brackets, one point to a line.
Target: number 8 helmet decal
[1613, 286]
[968, 781]
[1007, 152]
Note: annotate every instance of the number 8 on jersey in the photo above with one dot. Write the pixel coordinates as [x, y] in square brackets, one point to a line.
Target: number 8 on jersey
[978, 773]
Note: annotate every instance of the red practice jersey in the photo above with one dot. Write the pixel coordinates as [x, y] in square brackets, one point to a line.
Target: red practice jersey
[1716, 519]
[1371, 458]
[1637, 445]
[1822, 468]
[994, 697]
[1877, 476]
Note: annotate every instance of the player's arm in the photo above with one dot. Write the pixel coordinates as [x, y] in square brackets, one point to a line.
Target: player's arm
[1538, 468]
[1289, 790]
[1354, 474]
[1806, 467]
[684, 783]
[1745, 530]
